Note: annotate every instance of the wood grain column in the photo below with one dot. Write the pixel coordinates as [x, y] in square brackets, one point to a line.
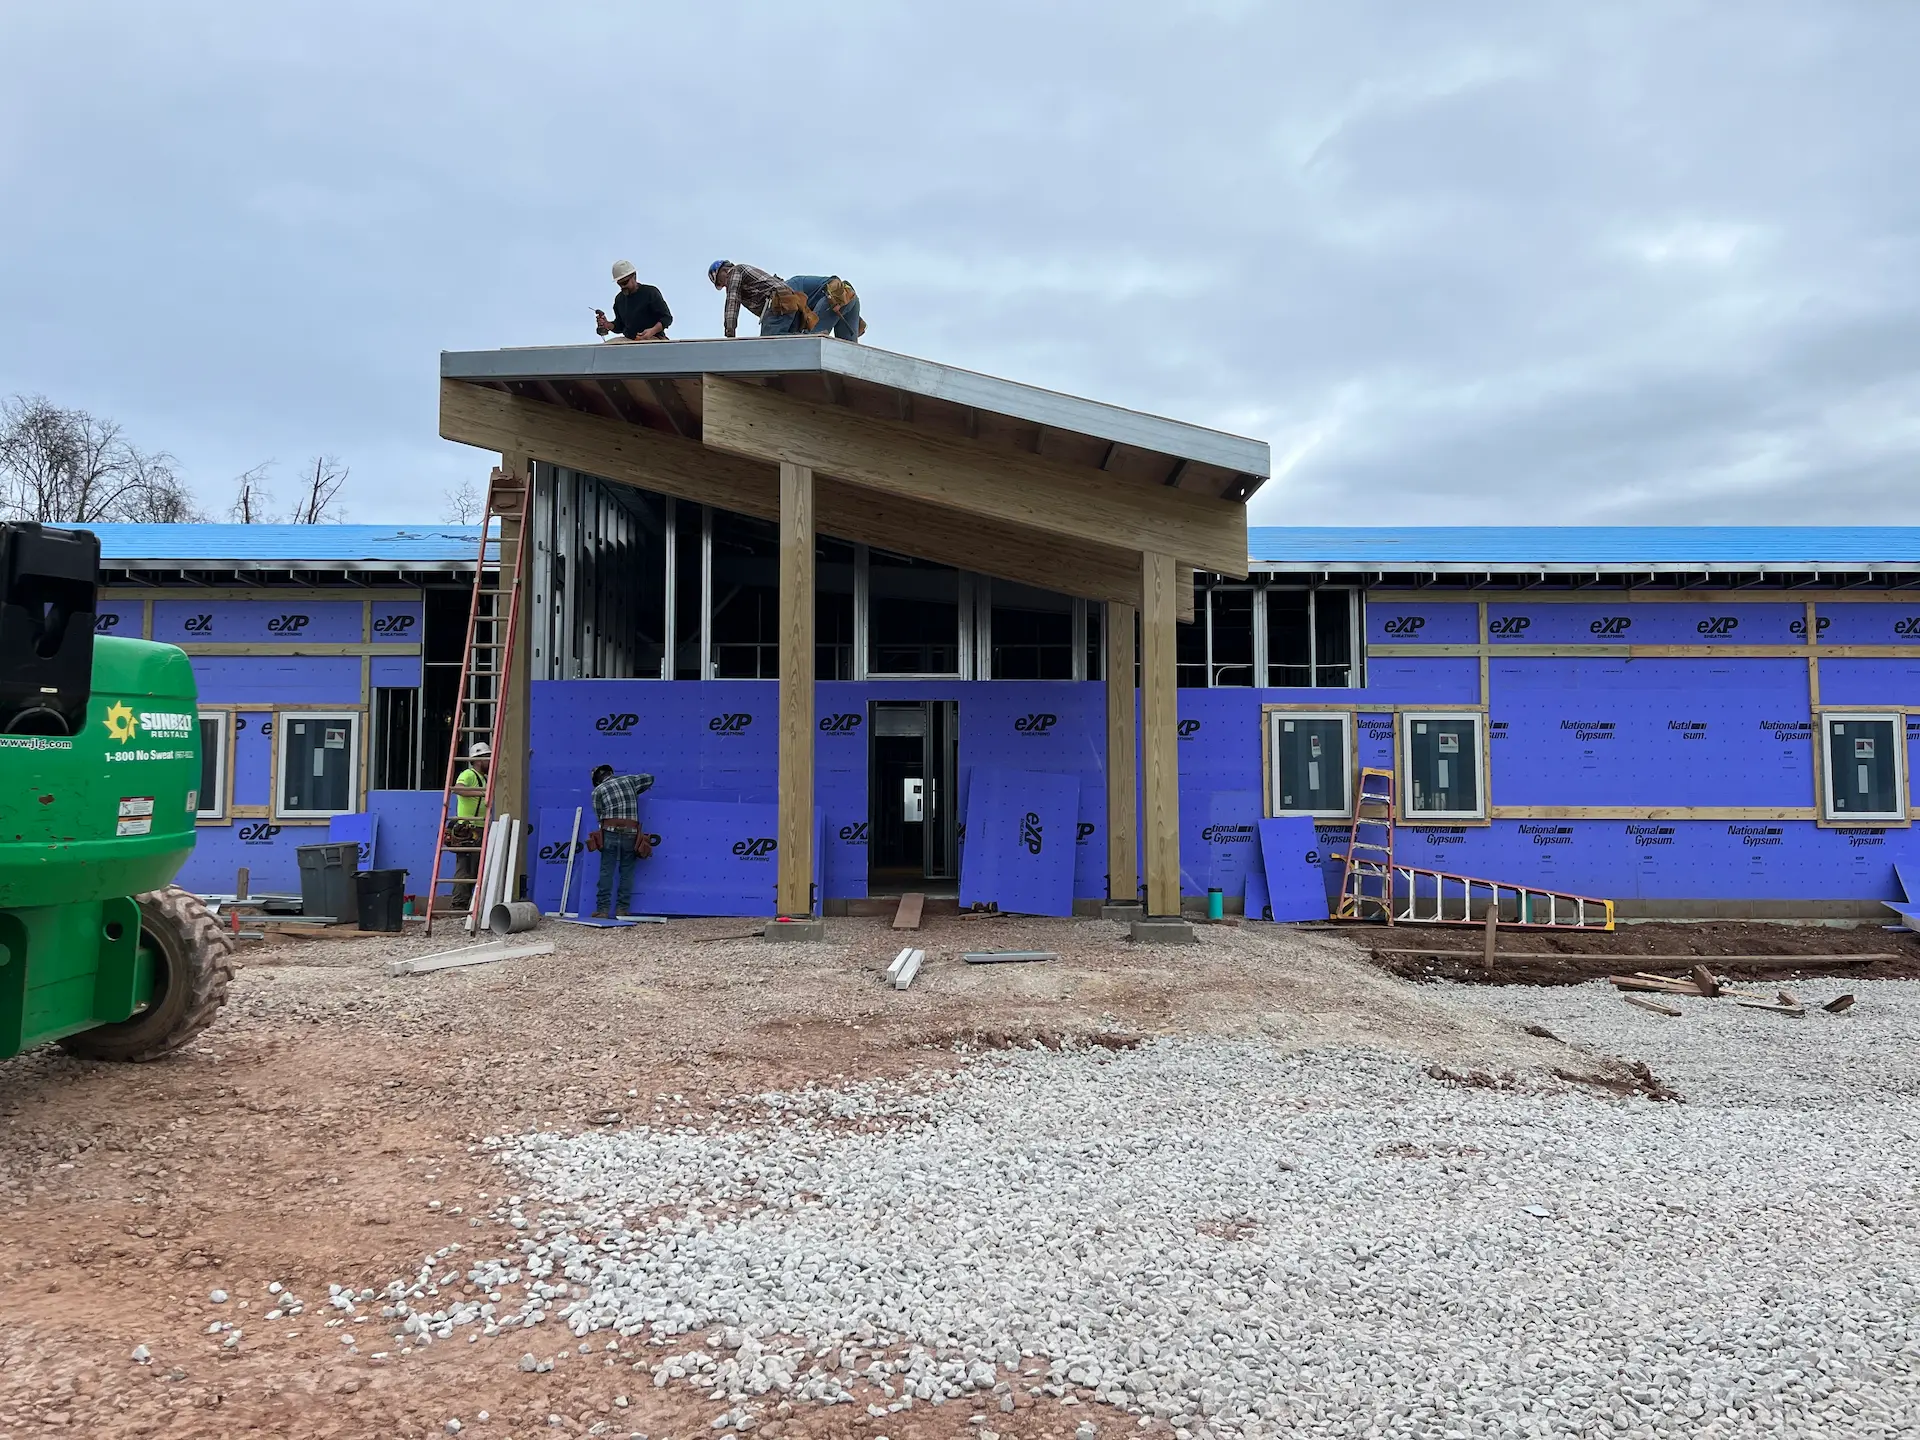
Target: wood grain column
[1160, 750]
[794, 897]
[512, 780]
[1123, 812]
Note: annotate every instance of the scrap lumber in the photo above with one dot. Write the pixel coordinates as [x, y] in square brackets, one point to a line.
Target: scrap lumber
[468, 955]
[1672, 1012]
[1839, 1005]
[1007, 957]
[1705, 979]
[1781, 1007]
[905, 966]
[907, 916]
[1656, 984]
[1745, 962]
[1493, 929]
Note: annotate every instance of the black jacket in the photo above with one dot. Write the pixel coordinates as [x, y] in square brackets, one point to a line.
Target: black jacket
[639, 309]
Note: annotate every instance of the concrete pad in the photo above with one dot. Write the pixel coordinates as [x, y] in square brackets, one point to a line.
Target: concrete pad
[815, 929]
[1161, 931]
[1122, 910]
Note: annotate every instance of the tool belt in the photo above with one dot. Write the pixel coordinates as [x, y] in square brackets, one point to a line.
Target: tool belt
[461, 833]
[785, 301]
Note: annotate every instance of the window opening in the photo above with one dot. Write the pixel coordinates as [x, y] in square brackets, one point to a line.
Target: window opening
[319, 764]
[1289, 638]
[913, 616]
[1443, 765]
[1310, 764]
[210, 801]
[1333, 630]
[1230, 619]
[745, 627]
[833, 567]
[1865, 779]
[396, 747]
[688, 589]
[1031, 633]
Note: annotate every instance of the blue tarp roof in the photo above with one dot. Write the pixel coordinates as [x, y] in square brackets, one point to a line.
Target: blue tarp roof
[1587, 547]
[288, 546]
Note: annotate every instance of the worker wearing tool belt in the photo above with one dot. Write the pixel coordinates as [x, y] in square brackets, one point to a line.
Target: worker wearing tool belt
[468, 822]
[802, 305]
[619, 839]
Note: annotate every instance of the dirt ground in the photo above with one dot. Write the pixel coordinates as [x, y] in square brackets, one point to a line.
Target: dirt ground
[1565, 958]
[320, 1132]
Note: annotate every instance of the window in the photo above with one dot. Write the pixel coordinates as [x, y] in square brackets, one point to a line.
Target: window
[215, 728]
[1310, 764]
[319, 760]
[746, 598]
[1311, 638]
[1441, 767]
[396, 738]
[689, 590]
[1865, 777]
[1190, 649]
[1230, 625]
[913, 616]
[1096, 645]
[833, 568]
[1032, 633]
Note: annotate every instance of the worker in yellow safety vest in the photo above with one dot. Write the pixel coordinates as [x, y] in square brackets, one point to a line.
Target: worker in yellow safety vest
[465, 829]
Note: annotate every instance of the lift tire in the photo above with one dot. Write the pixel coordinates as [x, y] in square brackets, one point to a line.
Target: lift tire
[194, 966]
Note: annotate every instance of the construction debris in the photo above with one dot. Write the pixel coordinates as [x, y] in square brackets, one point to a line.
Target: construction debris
[1640, 1002]
[1785, 1005]
[1657, 984]
[1839, 1005]
[1007, 957]
[1704, 978]
[905, 966]
[907, 916]
[469, 955]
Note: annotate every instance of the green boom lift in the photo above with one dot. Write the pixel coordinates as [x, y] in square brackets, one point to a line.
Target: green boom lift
[99, 780]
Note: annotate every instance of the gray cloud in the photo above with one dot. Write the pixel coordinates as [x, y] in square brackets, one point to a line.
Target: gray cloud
[1463, 264]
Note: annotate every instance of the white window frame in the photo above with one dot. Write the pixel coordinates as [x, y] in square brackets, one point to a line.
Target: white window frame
[1404, 766]
[1896, 718]
[1274, 731]
[282, 732]
[215, 807]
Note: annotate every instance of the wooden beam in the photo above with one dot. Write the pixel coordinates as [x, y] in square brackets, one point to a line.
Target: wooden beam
[1070, 501]
[512, 780]
[1161, 747]
[794, 851]
[621, 398]
[666, 394]
[1123, 813]
[687, 470]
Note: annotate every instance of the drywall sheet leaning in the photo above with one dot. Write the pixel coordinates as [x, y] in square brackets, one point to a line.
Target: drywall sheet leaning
[1290, 858]
[1021, 830]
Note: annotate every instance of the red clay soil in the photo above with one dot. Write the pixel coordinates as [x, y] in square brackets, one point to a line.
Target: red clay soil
[1563, 958]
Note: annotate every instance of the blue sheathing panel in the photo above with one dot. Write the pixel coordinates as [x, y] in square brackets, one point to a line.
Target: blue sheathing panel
[278, 679]
[118, 617]
[1892, 683]
[1627, 622]
[397, 622]
[1394, 619]
[1021, 853]
[360, 829]
[407, 833]
[399, 671]
[182, 622]
[1291, 862]
[252, 758]
[265, 847]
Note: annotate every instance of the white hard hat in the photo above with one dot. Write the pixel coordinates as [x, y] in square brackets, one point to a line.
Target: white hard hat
[622, 269]
[479, 750]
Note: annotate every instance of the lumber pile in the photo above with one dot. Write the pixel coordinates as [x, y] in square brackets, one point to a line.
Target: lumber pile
[1703, 984]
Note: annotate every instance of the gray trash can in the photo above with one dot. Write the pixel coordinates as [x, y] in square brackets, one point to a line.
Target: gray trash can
[327, 881]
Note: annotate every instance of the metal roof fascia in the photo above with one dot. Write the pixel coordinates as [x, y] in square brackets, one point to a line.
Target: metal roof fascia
[809, 354]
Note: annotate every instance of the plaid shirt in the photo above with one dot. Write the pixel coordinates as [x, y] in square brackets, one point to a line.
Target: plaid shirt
[750, 287]
[617, 797]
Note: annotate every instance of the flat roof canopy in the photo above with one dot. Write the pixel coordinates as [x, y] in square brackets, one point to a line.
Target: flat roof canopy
[914, 457]
[658, 386]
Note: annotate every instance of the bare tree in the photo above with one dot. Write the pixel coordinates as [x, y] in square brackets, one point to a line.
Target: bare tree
[70, 467]
[252, 499]
[317, 505]
[461, 503]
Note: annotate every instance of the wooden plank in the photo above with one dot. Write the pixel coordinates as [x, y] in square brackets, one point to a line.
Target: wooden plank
[1123, 770]
[907, 915]
[655, 461]
[1672, 1012]
[794, 852]
[1781, 962]
[1074, 501]
[1161, 745]
[512, 779]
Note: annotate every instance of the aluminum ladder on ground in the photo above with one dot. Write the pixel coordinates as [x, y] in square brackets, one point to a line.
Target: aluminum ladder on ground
[1439, 897]
[1366, 884]
[486, 667]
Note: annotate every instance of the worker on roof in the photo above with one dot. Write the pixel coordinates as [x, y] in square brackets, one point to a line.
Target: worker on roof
[639, 311]
[802, 305]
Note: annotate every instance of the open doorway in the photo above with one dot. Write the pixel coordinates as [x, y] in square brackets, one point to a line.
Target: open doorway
[913, 759]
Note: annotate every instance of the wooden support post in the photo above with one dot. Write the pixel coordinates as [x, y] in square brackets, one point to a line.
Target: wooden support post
[794, 896]
[1160, 750]
[1123, 810]
[512, 779]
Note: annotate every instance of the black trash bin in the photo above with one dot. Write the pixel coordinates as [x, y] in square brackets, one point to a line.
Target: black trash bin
[383, 898]
[326, 881]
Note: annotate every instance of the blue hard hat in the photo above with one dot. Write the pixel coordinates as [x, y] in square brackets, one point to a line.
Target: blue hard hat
[716, 267]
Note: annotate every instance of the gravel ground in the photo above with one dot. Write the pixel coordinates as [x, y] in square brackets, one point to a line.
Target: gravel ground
[1249, 1184]
[1228, 1237]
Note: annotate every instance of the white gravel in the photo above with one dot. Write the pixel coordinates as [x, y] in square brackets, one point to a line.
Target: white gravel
[1230, 1237]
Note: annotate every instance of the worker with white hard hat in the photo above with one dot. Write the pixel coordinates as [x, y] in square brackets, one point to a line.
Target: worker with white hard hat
[465, 825]
[639, 311]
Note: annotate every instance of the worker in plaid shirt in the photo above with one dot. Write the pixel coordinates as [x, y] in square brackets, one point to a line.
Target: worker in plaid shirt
[616, 808]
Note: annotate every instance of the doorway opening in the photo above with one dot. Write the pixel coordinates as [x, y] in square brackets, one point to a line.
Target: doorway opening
[912, 766]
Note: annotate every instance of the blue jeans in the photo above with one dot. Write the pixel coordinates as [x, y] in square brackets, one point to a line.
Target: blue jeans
[843, 324]
[616, 853]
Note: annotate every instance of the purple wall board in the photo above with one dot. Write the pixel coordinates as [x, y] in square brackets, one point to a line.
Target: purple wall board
[1290, 857]
[316, 680]
[1020, 842]
[295, 618]
[123, 618]
[1867, 624]
[265, 847]
[406, 832]
[397, 622]
[1254, 904]
[1414, 620]
[395, 671]
[360, 830]
[1622, 622]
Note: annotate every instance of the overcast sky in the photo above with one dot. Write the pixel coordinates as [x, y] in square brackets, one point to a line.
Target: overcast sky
[1527, 263]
